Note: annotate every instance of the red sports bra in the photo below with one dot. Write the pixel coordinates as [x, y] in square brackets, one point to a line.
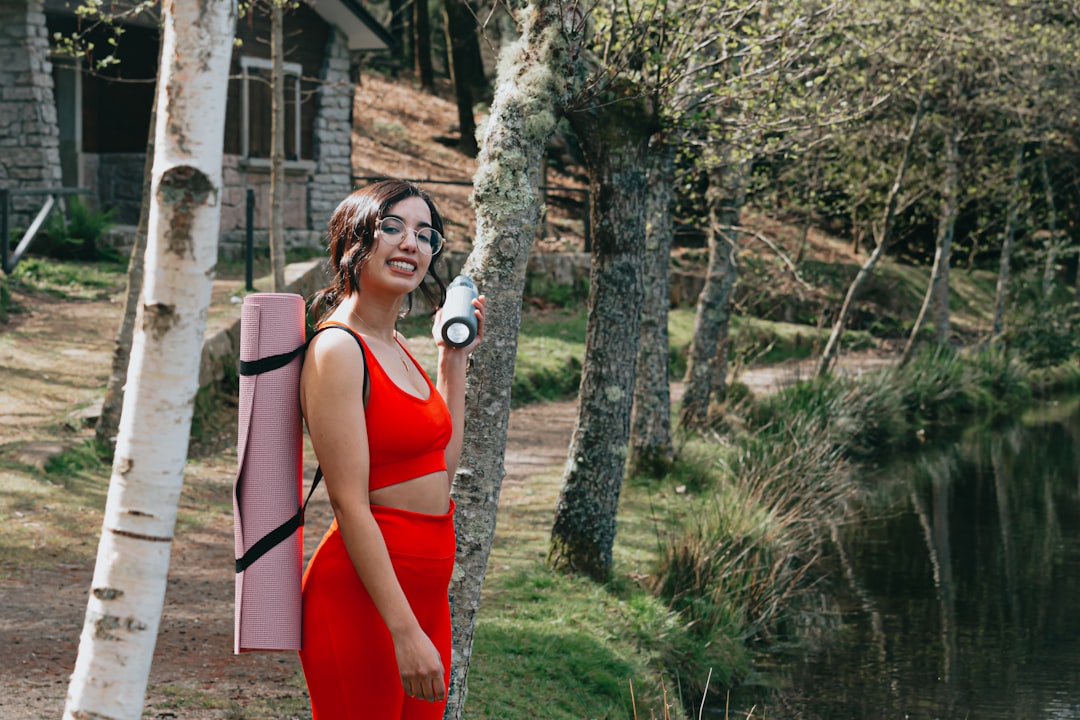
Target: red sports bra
[407, 435]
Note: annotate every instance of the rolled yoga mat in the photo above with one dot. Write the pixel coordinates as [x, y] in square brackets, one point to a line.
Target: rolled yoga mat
[269, 477]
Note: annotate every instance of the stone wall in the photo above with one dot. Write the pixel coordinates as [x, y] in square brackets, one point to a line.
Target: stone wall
[239, 174]
[118, 184]
[332, 179]
[29, 133]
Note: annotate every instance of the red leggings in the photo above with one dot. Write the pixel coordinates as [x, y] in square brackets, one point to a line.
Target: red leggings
[347, 653]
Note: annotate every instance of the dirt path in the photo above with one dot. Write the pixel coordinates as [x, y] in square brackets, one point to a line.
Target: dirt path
[54, 362]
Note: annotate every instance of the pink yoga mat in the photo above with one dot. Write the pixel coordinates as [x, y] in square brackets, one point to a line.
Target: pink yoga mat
[269, 477]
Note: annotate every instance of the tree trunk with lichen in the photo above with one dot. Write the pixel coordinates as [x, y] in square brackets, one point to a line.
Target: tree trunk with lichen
[614, 139]
[651, 450]
[706, 369]
[128, 587]
[530, 90]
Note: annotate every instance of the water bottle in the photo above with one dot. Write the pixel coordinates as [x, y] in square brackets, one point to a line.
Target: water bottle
[458, 313]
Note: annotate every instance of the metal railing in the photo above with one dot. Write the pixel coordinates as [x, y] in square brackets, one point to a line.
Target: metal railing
[468, 183]
[8, 258]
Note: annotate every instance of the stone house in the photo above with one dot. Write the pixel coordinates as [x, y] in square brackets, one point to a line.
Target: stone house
[76, 124]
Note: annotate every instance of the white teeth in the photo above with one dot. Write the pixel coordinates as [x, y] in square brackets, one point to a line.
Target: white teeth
[401, 265]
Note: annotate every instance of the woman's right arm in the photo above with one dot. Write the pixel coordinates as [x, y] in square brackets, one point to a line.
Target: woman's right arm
[332, 399]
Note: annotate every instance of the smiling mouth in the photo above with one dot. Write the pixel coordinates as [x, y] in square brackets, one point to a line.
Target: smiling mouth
[402, 265]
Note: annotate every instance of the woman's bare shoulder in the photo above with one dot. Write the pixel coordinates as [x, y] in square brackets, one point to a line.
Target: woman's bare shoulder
[332, 356]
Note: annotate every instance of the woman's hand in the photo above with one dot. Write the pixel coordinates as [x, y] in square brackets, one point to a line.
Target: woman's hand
[436, 329]
[420, 666]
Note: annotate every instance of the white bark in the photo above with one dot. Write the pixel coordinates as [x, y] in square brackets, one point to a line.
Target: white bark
[128, 587]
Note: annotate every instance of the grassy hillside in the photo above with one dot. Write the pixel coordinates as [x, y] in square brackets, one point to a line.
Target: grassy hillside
[780, 312]
[400, 131]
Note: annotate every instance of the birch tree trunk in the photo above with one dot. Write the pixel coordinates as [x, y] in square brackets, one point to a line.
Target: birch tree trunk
[937, 290]
[832, 347]
[128, 587]
[706, 368]
[108, 422]
[1008, 239]
[614, 138]
[277, 145]
[651, 450]
[530, 90]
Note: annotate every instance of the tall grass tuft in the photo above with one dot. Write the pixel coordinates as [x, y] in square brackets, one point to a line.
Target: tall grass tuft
[742, 569]
[743, 566]
[933, 389]
[1002, 379]
[858, 417]
[1055, 379]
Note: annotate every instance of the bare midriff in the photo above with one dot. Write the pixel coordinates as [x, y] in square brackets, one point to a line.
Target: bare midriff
[428, 494]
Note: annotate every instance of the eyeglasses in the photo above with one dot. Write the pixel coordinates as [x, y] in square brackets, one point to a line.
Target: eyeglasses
[428, 239]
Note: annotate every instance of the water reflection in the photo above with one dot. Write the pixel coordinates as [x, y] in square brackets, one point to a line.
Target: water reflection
[961, 597]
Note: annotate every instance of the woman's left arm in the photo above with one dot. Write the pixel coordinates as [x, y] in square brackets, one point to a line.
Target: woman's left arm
[451, 383]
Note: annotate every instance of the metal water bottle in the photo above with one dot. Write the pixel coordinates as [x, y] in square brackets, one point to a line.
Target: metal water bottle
[458, 313]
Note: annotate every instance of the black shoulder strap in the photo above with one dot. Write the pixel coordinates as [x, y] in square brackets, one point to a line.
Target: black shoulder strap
[287, 528]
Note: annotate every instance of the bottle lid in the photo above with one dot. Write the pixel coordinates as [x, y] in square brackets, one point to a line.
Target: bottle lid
[458, 333]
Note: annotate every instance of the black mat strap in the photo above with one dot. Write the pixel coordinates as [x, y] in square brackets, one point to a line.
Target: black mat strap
[287, 528]
[272, 362]
[278, 534]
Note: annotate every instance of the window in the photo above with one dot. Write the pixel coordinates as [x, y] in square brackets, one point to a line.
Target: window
[256, 99]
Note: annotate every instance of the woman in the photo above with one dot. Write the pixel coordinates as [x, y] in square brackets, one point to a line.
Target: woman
[376, 623]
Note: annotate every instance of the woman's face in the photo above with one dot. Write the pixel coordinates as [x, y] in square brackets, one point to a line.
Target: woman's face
[399, 262]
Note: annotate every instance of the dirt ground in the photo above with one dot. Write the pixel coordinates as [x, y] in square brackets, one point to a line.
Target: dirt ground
[54, 362]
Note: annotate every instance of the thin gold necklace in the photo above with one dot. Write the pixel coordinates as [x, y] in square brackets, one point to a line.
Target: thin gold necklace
[397, 346]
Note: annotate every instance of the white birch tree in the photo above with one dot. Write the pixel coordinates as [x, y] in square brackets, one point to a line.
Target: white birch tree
[128, 587]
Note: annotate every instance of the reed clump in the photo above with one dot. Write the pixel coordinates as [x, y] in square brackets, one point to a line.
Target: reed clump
[744, 568]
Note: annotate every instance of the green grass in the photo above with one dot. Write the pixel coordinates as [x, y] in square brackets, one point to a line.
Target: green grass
[47, 513]
[69, 279]
[568, 648]
[580, 644]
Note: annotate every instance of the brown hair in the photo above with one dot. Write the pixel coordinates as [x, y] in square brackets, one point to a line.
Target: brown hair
[351, 234]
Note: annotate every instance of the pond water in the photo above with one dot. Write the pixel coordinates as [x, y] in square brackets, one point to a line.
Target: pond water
[960, 593]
